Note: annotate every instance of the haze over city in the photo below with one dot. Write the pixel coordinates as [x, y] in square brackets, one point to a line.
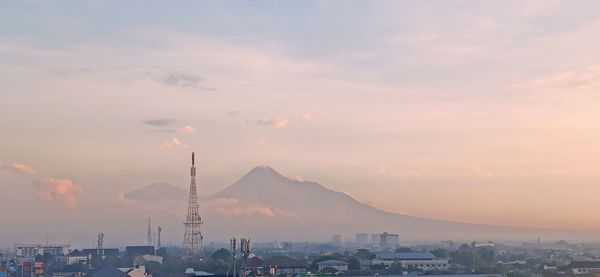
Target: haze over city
[464, 111]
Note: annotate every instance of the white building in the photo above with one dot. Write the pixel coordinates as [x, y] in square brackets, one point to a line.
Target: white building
[339, 265]
[76, 257]
[411, 260]
[32, 250]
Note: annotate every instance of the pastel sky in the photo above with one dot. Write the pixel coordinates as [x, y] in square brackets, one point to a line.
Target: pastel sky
[473, 111]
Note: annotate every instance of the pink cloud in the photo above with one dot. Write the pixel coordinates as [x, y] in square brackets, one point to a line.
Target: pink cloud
[231, 207]
[187, 129]
[172, 143]
[307, 117]
[277, 122]
[23, 169]
[61, 191]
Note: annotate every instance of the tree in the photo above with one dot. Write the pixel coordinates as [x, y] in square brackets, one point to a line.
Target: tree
[403, 249]
[353, 264]
[221, 254]
[363, 254]
[440, 253]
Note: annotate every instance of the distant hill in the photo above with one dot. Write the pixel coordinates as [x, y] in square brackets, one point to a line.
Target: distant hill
[158, 192]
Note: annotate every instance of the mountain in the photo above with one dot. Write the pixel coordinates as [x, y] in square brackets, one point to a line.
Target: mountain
[268, 205]
[158, 192]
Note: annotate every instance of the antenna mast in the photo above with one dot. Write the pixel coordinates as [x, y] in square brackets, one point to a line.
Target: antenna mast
[192, 238]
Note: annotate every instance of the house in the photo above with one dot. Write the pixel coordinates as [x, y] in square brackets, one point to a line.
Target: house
[76, 257]
[143, 259]
[134, 271]
[283, 265]
[330, 271]
[95, 253]
[255, 266]
[336, 264]
[131, 252]
[108, 271]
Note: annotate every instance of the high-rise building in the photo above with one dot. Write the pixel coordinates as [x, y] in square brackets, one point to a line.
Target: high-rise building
[337, 239]
[362, 238]
[192, 239]
[389, 241]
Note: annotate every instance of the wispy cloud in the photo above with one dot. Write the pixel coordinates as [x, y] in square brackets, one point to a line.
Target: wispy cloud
[161, 122]
[172, 143]
[23, 169]
[277, 122]
[258, 142]
[587, 79]
[187, 129]
[178, 79]
[61, 191]
[231, 207]
[307, 117]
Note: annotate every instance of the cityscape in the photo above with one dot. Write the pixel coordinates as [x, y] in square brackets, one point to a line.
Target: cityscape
[312, 138]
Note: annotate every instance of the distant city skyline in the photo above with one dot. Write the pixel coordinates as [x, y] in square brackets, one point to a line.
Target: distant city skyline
[468, 111]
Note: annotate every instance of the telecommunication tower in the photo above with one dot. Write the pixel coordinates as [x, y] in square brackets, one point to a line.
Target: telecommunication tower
[192, 238]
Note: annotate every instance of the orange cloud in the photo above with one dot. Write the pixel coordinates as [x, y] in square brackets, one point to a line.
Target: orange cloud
[23, 169]
[62, 191]
[231, 207]
[307, 117]
[172, 143]
[187, 129]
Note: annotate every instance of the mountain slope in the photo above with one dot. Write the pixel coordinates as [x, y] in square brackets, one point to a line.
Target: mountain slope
[322, 212]
[158, 192]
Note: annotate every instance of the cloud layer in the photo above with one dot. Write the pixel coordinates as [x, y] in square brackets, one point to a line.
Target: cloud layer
[278, 122]
[233, 208]
[172, 144]
[62, 191]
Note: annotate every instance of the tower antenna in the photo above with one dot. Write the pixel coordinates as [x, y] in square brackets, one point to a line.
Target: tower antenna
[192, 238]
[149, 233]
[158, 239]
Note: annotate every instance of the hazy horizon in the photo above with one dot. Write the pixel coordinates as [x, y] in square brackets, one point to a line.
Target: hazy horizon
[465, 111]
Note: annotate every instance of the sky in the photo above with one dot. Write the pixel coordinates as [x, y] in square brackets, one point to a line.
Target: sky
[470, 111]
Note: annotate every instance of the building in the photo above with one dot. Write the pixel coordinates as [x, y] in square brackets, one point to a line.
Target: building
[389, 241]
[362, 238]
[32, 250]
[139, 271]
[96, 256]
[192, 272]
[108, 271]
[76, 257]
[424, 261]
[255, 266]
[583, 267]
[375, 239]
[337, 239]
[143, 259]
[132, 252]
[337, 264]
[283, 265]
